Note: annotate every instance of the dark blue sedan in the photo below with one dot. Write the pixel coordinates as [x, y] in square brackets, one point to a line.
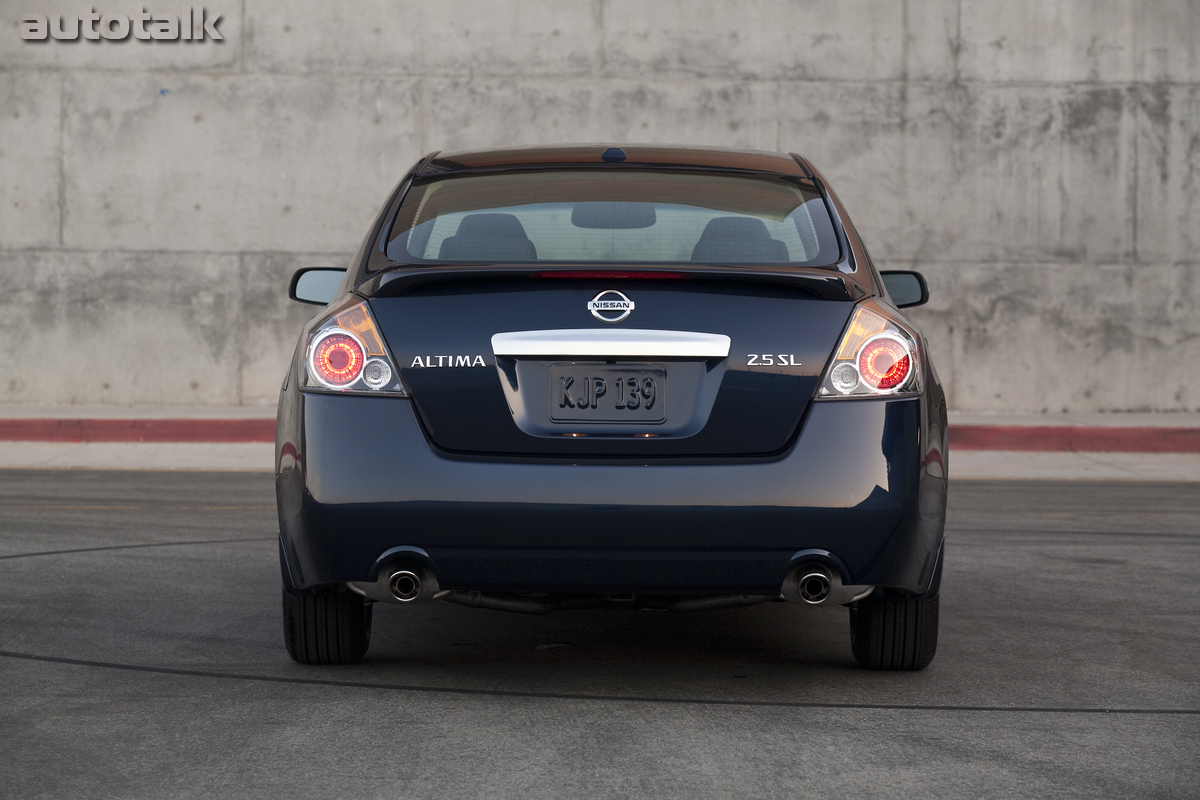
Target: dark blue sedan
[612, 377]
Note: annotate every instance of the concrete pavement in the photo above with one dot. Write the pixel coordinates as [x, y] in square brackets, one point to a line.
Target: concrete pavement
[178, 442]
[140, 656]
[257, 457]
[222, 457]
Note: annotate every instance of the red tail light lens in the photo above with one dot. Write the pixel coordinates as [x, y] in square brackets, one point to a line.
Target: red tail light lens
[337, 359]
[346, 354]
[884, 363]
[875, 357]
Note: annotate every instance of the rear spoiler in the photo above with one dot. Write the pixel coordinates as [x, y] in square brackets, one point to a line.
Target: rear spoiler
[825, 284]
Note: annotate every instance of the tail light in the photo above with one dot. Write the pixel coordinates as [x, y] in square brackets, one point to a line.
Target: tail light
[875, 357]
[337, 359]
[346, 354]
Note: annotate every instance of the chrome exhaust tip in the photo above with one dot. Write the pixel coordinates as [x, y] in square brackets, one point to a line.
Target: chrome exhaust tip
[816, 584]
[405, 585]
[403, 582]
[813, 587]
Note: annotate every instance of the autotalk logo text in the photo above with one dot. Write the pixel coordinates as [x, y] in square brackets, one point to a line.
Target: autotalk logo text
[193, 25]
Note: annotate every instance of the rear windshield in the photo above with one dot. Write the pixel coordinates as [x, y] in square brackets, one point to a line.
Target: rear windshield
[617, 215]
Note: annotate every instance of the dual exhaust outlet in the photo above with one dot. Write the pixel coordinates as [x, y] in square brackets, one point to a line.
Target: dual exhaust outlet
[812, 584]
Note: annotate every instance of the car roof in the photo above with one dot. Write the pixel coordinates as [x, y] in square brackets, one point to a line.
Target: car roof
[599, 154]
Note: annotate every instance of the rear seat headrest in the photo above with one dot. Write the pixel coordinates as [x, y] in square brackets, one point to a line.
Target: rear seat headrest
[489, 237]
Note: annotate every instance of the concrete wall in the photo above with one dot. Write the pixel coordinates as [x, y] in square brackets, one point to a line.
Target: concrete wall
[1039, 161]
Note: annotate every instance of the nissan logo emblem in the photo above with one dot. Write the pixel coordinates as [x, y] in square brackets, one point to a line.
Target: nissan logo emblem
[610, 302]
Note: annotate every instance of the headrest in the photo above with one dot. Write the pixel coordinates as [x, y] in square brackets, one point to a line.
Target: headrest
[488, 237]
[503, 225]
[738, 239]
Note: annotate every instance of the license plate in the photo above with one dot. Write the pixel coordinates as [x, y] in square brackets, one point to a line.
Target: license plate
[608, 393]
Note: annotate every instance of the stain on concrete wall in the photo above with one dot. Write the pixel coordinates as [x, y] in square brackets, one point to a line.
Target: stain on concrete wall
[1038, 161]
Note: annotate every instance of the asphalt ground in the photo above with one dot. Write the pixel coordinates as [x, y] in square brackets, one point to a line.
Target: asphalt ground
[140, 655]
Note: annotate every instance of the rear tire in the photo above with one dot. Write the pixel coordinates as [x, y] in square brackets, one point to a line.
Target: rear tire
[894, 632]
[326, 627]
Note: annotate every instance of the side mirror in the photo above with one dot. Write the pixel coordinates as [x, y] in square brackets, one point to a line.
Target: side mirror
[906, 288]
[316, 285]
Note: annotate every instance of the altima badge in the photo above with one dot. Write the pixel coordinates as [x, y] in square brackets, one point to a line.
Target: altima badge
[448, 361]
[610, 301]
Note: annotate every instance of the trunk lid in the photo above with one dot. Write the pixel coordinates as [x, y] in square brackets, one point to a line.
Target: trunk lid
[521, 366]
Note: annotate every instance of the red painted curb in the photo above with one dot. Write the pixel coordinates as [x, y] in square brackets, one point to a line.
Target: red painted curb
[1075, 438]
[137, 430]
[962, 437]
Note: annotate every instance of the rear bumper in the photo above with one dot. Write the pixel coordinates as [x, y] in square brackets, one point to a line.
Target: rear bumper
[356, 479]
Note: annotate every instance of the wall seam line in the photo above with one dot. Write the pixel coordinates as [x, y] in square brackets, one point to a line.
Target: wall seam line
[1133, 211]
[242, 41]
[62, 159]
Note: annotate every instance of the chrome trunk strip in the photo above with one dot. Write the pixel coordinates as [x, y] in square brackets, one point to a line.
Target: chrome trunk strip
[611, 342]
